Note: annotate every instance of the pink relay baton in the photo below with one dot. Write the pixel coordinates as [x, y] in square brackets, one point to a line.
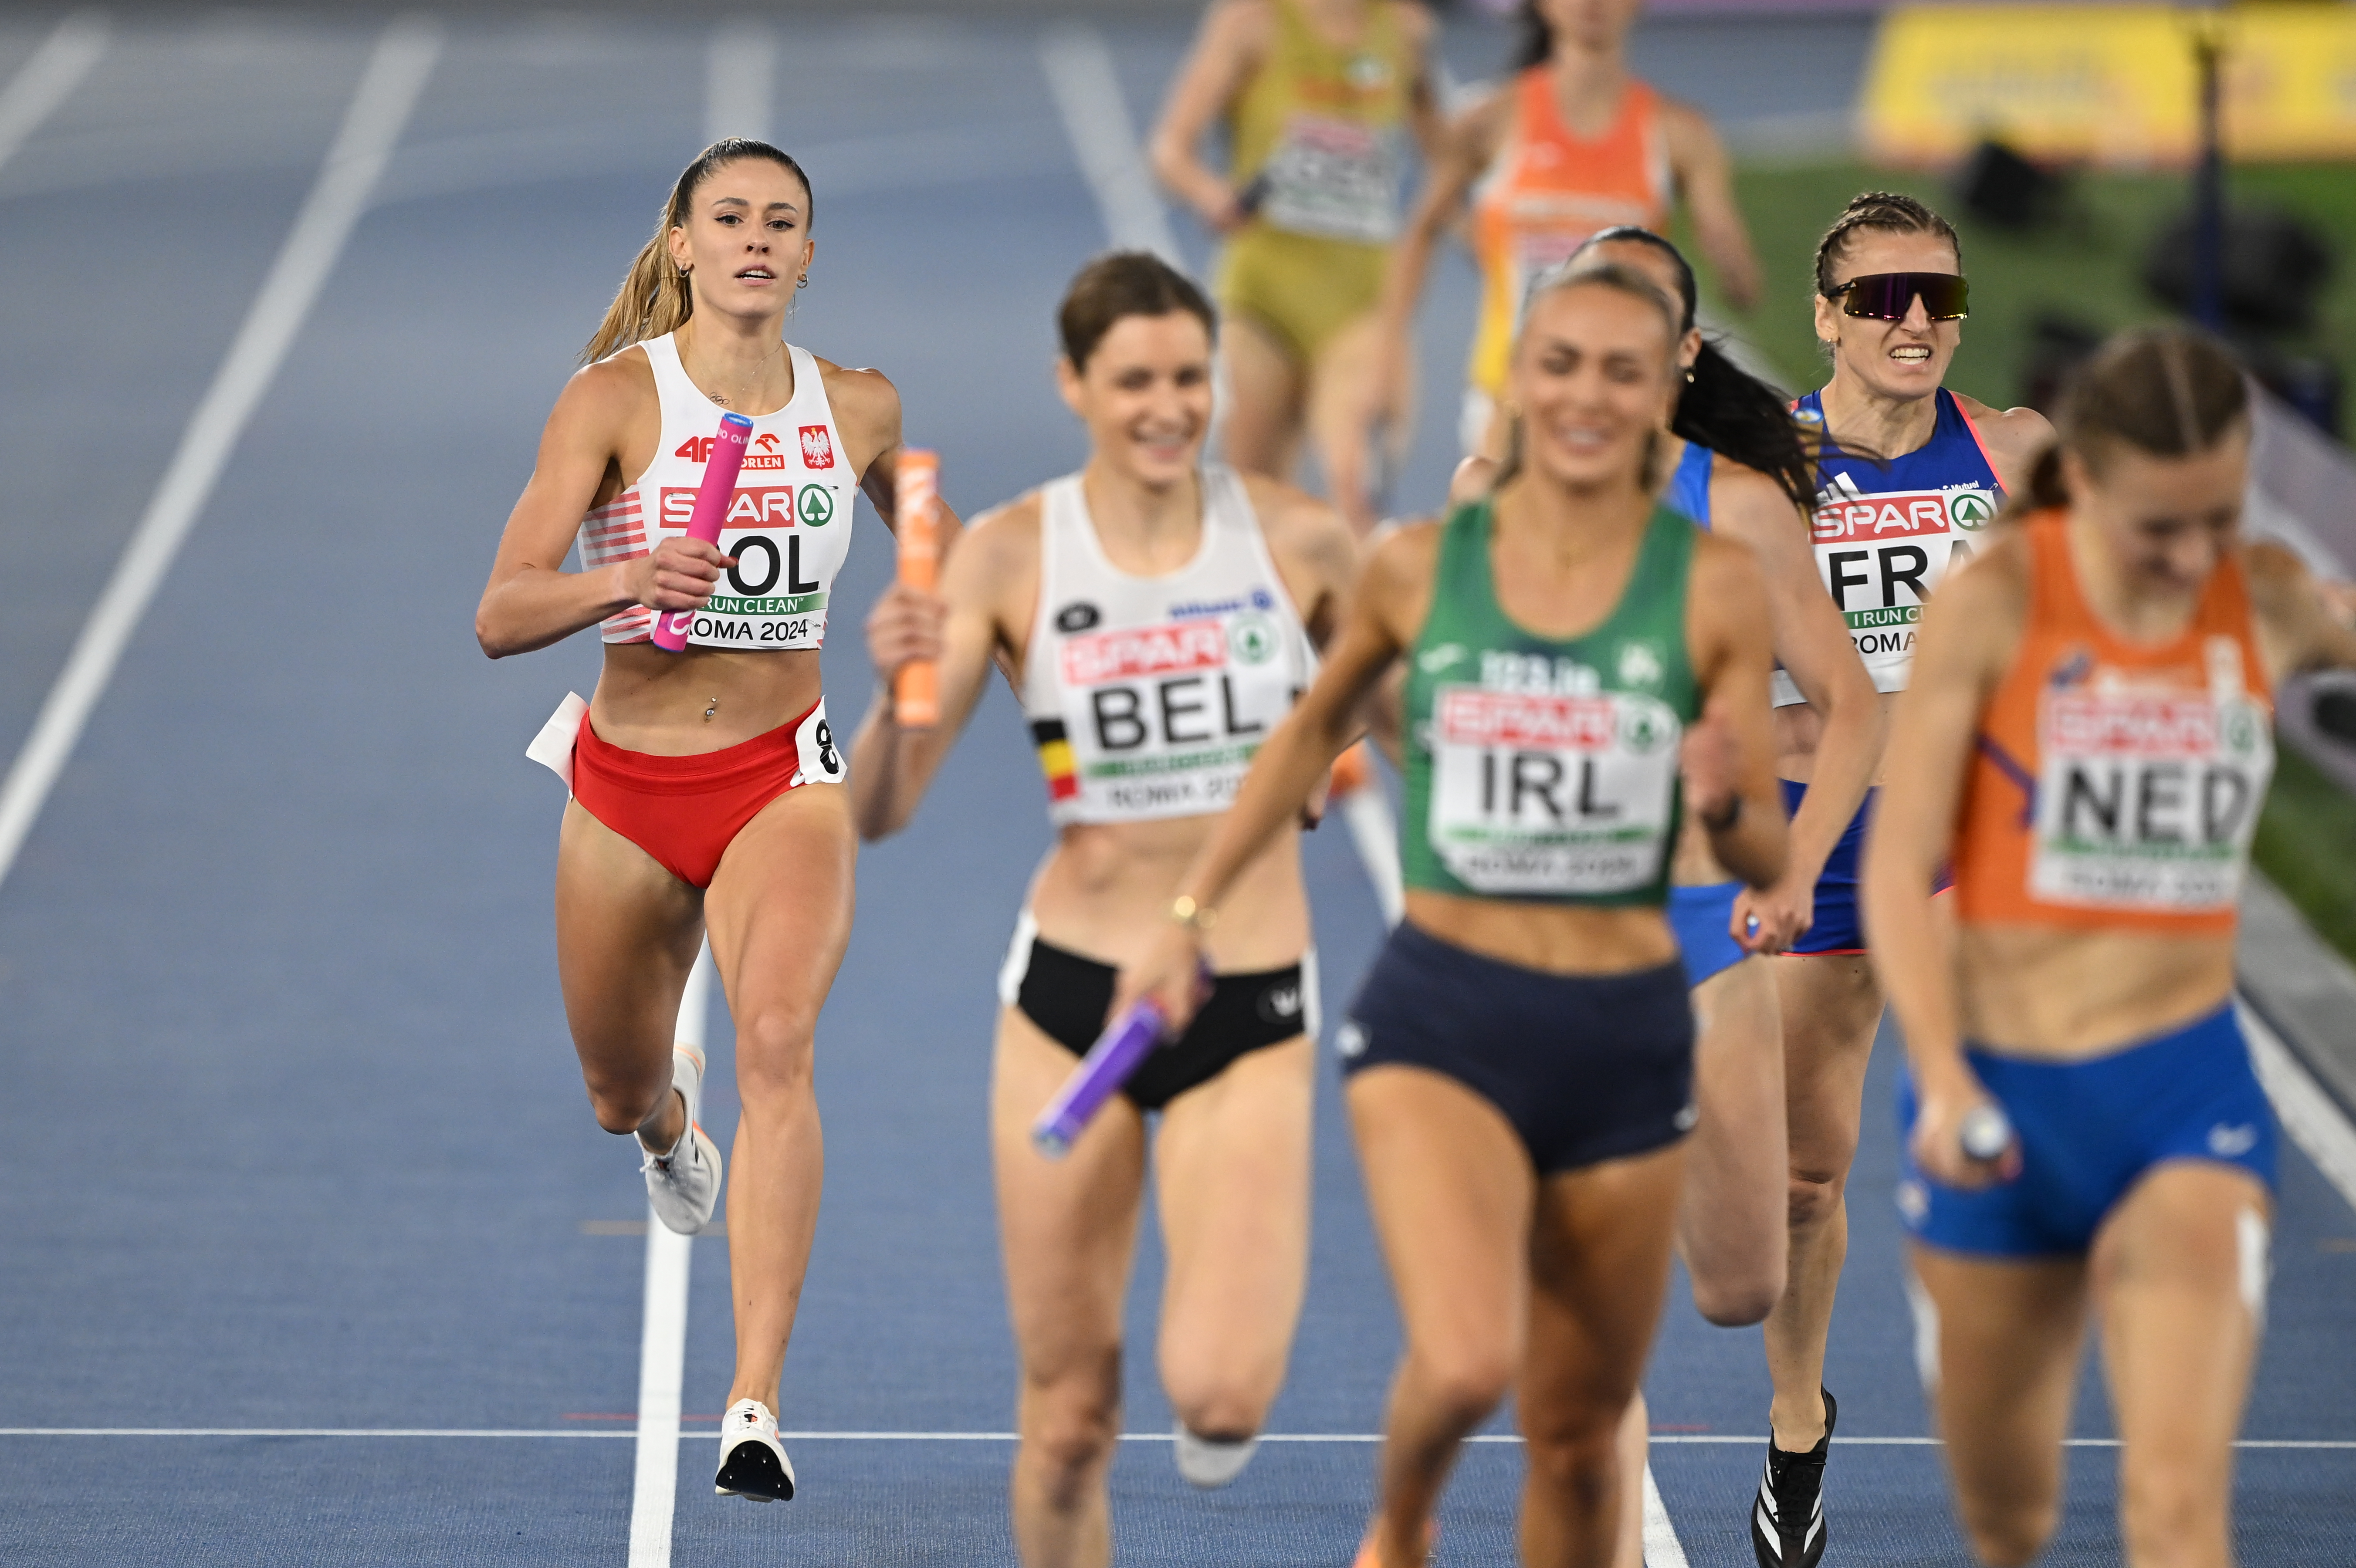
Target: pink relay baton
[711, 500]
[1112, 1062]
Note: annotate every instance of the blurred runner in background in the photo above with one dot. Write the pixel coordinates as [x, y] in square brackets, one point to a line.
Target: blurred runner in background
[1317, 99]
[1570, 143]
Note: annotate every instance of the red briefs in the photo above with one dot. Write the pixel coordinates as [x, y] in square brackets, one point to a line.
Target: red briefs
[686, 811]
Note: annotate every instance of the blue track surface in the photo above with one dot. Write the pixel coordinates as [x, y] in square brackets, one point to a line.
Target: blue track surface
[300, 1142]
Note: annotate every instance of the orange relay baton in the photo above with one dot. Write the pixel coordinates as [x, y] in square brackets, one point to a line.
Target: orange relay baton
[917, 490]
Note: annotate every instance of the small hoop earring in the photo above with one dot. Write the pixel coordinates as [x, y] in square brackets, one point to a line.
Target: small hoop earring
[802, 282]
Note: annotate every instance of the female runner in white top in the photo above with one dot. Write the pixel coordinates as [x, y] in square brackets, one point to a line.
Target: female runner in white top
[1150, 611]
[697, 329]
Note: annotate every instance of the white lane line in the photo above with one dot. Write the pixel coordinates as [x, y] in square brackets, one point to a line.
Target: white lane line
[740, 70]
[1662, 1547]
[2258, 1445]
[662, 1342]
[388, 93]
[46, 81]
[2312, 1117]
[1086, 91]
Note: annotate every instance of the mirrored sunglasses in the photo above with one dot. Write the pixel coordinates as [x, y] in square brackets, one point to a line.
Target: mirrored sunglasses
[1885, 296]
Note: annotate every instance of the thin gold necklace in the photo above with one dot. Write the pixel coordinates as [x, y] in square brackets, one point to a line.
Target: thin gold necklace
[753, 380]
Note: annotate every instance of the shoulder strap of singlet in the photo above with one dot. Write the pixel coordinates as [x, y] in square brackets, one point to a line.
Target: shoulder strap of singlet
[671, 382]
[1689, 491]
[1949, 404]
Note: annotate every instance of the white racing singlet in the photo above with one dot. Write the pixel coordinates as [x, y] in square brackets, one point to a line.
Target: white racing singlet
[788, 525]
[1148, 695]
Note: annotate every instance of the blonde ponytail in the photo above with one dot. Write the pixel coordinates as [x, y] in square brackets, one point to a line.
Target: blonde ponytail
[656, 297]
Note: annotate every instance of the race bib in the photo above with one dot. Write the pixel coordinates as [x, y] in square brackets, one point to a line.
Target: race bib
[1551, 795]
[1163, 720]
[2148, 801]
[789, 545]
[1333, 179]
[1882, 556]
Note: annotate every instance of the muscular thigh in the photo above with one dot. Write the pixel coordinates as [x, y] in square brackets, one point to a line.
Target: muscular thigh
[626, 935]
[1738, 1154]
[1231, 1165]
[1599, 1273]
[1831, 1006]
[1451, 1189]
[780, 905]
[1261, 432]
[1068, 1225]
[2179, 1272]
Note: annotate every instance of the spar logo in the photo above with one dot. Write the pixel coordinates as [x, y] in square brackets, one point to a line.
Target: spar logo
[816, 507]
[818, 447]
[1471, 717]
[1902, 514]
[1145, 651]
[2092, 725]
[1251, 637]
[756, 507]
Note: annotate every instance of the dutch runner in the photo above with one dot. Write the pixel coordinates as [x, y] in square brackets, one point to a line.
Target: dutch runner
[1520, 1061]
[1156, 616]
[694, 809]
[2088, 739]
[1572, 142]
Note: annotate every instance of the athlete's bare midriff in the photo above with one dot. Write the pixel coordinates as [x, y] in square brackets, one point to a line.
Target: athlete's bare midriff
[2058, 993]
[1798, 729]
[1104, 893]
[651, 702]
[1553, 939]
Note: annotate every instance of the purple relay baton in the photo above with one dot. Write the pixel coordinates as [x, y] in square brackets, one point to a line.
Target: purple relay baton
[1112, 1062]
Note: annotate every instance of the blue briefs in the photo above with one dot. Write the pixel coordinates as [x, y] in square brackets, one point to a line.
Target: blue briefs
[2089, 1130]
[1700, 915]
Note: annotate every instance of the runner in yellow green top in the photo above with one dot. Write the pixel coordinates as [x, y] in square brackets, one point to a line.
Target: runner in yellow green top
[1317, 99]
[1570, 143]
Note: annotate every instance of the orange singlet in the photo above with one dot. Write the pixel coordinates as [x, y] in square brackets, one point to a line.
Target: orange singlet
[2116, 784]
[1548, 191]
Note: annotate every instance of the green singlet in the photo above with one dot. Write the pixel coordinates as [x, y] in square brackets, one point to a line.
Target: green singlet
[1546, 769]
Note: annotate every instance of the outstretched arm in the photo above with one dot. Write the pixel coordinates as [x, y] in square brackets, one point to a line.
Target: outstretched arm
[1812, 642]
[961, 628]
[1730, 754]
[1381, 619]
[1226, 53]
[1705, 178]
[1968, 632]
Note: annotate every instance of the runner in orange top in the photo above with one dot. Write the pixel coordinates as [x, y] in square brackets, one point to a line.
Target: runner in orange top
[1570, 143]
[2086, 736]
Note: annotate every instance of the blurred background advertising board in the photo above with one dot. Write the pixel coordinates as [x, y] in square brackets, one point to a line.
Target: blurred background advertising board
[2114, 85]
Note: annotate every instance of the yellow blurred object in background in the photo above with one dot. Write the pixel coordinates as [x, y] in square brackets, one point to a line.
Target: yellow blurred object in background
[2112, 85]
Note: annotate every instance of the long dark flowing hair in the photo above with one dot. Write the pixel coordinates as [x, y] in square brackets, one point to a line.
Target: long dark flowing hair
[1724, 406]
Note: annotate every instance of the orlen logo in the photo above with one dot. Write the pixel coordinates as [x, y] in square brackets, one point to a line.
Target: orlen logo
[1471, 717]
[1904, 514]
[765, 451]
[1151, 650]
[760, 507]
[818, 447]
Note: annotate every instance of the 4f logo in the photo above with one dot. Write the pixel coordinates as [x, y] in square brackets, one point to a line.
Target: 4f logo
[818, 448]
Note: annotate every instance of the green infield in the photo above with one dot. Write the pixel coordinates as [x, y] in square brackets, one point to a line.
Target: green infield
[2306, 845]
[2085, 266]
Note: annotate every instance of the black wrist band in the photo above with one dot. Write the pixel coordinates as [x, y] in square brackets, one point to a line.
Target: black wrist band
[1732, 815]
